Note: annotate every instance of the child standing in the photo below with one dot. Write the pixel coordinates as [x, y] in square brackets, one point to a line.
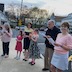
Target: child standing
[19, 45]
[34, 52]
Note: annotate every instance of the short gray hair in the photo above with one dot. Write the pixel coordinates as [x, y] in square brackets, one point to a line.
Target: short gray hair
[7, 24]
[51, 21]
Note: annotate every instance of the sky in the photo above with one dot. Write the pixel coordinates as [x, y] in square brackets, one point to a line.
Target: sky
[59, 7]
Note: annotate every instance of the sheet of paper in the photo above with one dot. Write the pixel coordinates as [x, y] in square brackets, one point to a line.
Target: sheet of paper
[51, 41]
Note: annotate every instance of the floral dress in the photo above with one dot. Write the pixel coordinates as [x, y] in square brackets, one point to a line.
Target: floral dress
[34, 51]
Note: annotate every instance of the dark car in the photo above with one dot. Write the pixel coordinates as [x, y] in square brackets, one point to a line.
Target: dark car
[43, 28]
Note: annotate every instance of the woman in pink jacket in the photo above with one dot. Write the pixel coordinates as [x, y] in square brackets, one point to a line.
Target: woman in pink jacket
[6, 35]
[63, 44]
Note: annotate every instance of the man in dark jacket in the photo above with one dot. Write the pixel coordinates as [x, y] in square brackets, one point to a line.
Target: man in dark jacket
[50, 33]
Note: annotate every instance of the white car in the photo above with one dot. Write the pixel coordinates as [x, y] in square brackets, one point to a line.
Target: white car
[20, 27]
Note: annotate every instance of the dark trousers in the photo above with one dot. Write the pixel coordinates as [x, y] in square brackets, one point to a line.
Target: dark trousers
[5, 48]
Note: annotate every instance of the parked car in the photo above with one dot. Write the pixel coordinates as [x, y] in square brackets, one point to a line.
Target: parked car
[43, 29]
[20, 27]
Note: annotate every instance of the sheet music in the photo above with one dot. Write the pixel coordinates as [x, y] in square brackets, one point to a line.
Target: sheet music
[51, 41]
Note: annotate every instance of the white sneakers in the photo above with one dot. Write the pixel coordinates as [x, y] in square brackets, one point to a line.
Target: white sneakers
[17, 58]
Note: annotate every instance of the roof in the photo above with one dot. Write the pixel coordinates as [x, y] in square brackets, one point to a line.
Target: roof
[59, 18]
[69, 17]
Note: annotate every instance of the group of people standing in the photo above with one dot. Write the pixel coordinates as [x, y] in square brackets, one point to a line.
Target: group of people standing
[55, 58]
[30, 39]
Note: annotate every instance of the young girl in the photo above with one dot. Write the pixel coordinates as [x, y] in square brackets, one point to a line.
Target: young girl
[19, 45]
[34, 52]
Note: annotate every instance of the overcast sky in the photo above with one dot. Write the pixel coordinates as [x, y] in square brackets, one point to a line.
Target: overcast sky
[59, 7]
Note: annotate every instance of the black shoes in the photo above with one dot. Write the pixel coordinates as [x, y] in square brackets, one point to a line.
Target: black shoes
[31, 63]
[2, 55]
[45, 69]
[25, 60]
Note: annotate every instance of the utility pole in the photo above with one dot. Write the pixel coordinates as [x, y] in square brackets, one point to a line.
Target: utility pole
[21, 7]
[20, 19]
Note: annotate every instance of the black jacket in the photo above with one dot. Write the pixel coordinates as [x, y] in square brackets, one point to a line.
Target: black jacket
[53, 33]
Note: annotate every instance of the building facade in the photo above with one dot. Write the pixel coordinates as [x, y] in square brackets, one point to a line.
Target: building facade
[3, 18]
[68, 19]
[57, 19]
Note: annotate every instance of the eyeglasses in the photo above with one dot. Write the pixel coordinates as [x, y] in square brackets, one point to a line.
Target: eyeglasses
[63, 28]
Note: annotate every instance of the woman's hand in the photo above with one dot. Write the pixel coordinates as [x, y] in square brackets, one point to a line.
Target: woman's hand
[57, 44]
[62, 46]
[8, 33]
[26, 36]
[30, 35]
[16, 39]
[34, 39]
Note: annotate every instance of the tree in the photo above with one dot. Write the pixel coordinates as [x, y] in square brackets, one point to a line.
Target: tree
[38, 15]
[14, 11]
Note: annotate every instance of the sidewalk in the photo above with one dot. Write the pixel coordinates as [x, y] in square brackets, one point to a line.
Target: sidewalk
[12, 65]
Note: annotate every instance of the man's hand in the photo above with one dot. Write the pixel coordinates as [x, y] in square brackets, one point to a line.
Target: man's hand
[47, 36]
